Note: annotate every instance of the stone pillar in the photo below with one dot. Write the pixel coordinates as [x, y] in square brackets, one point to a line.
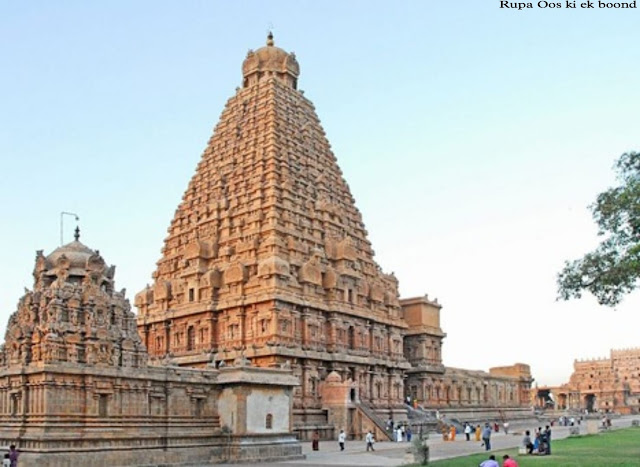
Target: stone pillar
[358, 381]
[145, 337]
[214, 331]
[241, 394]
[305, 328]
[304, 378]
[167, 336]
[332, 337]
[243, 325]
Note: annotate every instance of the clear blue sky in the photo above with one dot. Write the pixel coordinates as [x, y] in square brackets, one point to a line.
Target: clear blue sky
[473, 139]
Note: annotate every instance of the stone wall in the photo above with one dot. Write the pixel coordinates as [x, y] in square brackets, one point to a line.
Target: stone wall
[120, 417]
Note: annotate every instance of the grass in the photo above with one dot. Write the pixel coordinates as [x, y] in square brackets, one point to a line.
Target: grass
[618, 448]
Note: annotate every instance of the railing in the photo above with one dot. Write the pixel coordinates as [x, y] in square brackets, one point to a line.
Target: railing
[375, 418]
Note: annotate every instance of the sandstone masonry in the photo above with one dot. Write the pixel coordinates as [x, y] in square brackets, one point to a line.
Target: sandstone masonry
[267, 258]
[76, 389]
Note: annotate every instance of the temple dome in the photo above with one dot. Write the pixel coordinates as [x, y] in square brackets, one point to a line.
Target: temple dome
[76, 252]
[73, 262]
[270, 61]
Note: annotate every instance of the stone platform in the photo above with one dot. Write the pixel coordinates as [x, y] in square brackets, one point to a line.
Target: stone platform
[393, 454]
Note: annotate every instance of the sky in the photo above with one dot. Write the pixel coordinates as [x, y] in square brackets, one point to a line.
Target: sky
[473, 139]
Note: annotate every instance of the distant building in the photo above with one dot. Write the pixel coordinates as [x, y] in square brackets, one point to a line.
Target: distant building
[603, 384]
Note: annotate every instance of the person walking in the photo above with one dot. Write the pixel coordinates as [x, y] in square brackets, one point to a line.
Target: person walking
[370, 440]
[13, 455]
[342, 437]
[478, 432]
[486, 437]
[315, 441]
[467, 431]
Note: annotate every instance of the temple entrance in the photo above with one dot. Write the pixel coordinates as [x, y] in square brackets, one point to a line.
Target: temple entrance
[352, 431]
[590, 402]
[545, 399]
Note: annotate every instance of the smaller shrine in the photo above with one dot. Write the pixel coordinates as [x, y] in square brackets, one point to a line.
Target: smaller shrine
[73, 315]
[76, 387]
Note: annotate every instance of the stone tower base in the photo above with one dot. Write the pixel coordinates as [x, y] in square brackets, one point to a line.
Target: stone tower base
[221, 450]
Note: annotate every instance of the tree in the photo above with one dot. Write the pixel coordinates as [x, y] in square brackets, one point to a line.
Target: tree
[612, 270]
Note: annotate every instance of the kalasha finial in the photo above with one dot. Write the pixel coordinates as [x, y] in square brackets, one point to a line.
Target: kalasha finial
[77, 234]
[270, 39]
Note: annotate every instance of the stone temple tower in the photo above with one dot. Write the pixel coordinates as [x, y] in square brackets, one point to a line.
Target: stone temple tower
[73, 315]
[267, 256]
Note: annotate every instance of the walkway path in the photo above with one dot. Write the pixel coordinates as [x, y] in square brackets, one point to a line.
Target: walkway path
[393, 454]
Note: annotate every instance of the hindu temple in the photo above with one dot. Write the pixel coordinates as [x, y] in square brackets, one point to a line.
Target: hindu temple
[267, 259]
[76, 386]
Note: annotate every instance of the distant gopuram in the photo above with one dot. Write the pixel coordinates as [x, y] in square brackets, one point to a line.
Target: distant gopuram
[267, 258]
[598, 385]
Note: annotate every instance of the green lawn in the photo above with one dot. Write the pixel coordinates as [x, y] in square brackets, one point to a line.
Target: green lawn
[619, 447]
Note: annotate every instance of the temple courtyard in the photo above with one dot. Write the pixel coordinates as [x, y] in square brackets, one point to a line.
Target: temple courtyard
[395, 454]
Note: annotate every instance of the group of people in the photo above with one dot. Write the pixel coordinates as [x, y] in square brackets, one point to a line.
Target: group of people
[477, 431]
[400, 431]
[568, 421]
[541, 443]
[11, 458]
[506, 462]
[369, 439]
[481, 433]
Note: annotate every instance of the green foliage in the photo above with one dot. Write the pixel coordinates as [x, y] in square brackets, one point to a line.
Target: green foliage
[610, 271]
[421, 449]
[613, 448]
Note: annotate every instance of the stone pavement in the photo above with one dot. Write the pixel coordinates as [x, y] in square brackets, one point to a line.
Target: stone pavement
[394, 454]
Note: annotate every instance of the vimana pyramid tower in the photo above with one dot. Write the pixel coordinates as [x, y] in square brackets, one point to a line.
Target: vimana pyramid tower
[267, 259]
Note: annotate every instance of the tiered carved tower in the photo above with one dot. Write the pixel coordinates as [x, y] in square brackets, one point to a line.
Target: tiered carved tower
[267, 256]
[73, 315]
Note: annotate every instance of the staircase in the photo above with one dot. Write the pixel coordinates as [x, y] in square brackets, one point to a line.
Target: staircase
[367, 412]
[423, 421]
[421, 414]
